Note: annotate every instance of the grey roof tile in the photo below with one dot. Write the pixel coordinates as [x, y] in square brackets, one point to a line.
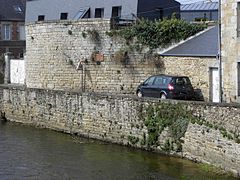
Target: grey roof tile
[205, 44]
[200, 6]
[12, 10]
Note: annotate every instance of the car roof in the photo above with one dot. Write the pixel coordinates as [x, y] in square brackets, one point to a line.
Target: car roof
[171, 76]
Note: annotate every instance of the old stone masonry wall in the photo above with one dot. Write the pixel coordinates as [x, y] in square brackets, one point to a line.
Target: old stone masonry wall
[203, 132]
[54, 50]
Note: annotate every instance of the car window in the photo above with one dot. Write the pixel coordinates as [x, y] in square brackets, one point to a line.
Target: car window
[149, 81]
[164, 80]
[158, 81]
[182, 81]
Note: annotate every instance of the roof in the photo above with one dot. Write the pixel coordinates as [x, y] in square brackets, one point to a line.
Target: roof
[12, 10]
[200, 6]
[204, 44]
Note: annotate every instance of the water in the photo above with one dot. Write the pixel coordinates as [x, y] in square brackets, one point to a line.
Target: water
[30, 153]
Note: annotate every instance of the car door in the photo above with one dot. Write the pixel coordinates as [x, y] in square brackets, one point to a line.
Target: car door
[157, 87]
[147, 87]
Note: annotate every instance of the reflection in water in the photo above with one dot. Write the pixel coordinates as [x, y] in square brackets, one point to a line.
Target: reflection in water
[29, 153]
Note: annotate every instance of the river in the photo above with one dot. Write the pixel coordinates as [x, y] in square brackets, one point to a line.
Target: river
[31, 153]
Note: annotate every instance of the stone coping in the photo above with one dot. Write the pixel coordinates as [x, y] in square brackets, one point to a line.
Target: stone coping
[118, 96]
[91, 20]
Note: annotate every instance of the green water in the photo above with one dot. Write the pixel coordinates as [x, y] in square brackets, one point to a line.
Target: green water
[30, 153]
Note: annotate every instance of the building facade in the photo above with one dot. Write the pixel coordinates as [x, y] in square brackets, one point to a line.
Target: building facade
[230, 50]
[200, 11]
[12, 27]
[39, 10]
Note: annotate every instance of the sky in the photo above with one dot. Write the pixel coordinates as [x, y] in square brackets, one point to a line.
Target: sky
[192, 1]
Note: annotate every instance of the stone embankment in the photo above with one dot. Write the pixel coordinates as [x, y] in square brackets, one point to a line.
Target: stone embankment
[203, 132]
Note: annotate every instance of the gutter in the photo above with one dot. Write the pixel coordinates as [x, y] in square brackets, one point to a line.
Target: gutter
[189, 55]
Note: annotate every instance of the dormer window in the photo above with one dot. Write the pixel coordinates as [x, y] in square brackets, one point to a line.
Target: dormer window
[18, 9]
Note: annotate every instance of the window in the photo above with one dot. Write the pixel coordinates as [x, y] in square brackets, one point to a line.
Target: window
[149, 81]
[99, 13]
[238, 19]
[158, 81]
[116, 11]
[182, 81]
[64, 16]
[41, 18]
[6, 31]
[22, 35]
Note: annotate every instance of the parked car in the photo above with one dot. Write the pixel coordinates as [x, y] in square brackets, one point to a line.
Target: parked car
[166, 87]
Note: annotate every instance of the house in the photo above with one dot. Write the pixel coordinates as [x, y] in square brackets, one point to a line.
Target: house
[12, 27]
[200, 11]
[197, 57]
[40, 10]
[230, 50]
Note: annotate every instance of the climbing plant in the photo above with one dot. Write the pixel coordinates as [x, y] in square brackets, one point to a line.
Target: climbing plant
[175, 118]
[158, 33]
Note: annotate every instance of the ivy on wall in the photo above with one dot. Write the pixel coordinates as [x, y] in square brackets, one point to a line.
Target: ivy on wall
[159, 33]
[175, 118]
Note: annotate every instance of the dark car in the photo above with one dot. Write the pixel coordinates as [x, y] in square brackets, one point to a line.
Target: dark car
[166, 87]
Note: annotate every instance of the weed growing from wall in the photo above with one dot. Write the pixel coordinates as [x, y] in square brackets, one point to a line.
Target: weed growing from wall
[94, 35]
[175, 117]
[121, 56]
[84, 34]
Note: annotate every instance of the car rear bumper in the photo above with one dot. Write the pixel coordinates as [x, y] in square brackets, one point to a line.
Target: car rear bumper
[183, 96]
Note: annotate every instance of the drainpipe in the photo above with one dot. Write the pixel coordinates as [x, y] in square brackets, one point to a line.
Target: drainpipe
[220, 52]
[81, 66]
[7, 57]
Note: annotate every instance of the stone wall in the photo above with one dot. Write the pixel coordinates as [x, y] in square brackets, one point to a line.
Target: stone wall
[230, 50]
[197, 69]
[55, 48]
[121, 119]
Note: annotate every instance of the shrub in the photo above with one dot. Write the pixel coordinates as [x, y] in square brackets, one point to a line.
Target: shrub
[158, 33]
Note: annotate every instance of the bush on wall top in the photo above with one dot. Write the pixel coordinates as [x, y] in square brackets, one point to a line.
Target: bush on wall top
[158, 33]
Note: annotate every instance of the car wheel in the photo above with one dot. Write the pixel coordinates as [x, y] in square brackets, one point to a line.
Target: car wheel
[163, 96]
[139, 94]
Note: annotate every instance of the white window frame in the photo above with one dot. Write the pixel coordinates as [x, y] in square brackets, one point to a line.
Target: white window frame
[22, 34]
[7, 31]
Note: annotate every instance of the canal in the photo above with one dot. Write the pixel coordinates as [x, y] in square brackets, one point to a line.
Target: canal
[30, 153]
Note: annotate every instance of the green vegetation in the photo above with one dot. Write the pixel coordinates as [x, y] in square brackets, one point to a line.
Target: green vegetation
[175, 117]
[94, 35]
[154, 34]
[84, 34]
[213, 170]
[133, 140]
[229, 135]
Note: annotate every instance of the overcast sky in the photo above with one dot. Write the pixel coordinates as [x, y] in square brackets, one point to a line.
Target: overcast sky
[191, 1]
